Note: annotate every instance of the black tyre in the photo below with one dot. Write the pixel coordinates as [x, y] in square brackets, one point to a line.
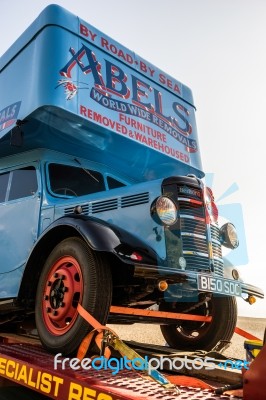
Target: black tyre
[72, 274]
[193, 335]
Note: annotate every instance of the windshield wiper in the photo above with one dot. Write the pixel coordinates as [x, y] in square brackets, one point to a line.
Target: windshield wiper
[86, 170]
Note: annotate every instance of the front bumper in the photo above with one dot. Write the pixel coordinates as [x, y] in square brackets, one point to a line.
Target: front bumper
[178, 276]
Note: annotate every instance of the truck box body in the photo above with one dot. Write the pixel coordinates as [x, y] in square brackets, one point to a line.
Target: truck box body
[138, 118]
[101, 197]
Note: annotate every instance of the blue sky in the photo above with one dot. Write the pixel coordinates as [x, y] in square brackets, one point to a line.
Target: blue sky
[218, 48]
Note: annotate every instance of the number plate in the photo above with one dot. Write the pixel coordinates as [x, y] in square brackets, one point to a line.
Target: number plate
[207, 283]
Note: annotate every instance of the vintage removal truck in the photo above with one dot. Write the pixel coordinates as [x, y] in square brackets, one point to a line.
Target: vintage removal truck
[101, 194]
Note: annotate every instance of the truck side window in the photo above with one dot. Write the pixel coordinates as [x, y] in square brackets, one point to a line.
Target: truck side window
[114, 183]
[24, 183]
[74, 181]
[3, 186]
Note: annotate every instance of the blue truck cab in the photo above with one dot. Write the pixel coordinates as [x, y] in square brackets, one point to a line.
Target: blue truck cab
[102, 200]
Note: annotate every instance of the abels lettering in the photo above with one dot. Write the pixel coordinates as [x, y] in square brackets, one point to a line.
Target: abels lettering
[115, 83]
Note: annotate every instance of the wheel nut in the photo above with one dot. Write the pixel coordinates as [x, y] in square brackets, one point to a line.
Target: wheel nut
[61, 304]
[48, 310]
[62, 277]
[49, 283]
[54, 312]
[55, 275]
[65, 289]
[45, 297]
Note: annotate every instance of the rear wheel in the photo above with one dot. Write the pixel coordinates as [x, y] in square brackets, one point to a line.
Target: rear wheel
[193, 335]
[72, 274]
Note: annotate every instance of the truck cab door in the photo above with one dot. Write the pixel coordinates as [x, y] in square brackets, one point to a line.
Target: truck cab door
[19, 222]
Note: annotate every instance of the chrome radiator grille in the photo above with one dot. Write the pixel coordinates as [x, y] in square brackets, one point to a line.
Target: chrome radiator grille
[196, 239]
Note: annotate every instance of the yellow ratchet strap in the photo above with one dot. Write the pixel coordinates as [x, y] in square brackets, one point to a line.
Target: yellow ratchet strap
[105, 338]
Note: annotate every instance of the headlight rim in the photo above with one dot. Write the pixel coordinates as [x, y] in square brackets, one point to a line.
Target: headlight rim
[156, 214]
[225, 237]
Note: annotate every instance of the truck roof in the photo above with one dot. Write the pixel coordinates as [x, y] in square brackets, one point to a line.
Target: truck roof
[54, 15]
[74, 87]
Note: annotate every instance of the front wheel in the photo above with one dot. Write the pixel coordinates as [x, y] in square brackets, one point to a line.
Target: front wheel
[194, 335]
[72, 274]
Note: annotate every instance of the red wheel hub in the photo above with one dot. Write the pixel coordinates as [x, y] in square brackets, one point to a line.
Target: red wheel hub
[62, 293]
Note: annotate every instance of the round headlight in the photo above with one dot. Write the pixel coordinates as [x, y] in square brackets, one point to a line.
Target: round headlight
[166, 210]
[228, 236]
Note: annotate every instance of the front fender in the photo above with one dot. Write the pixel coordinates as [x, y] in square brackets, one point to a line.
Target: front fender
[103, 236]
[99, 236]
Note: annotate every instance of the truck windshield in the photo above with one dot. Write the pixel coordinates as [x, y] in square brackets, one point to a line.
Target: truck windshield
[69, 181]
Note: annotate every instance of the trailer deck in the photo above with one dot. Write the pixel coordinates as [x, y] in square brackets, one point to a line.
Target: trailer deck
[27, 364]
